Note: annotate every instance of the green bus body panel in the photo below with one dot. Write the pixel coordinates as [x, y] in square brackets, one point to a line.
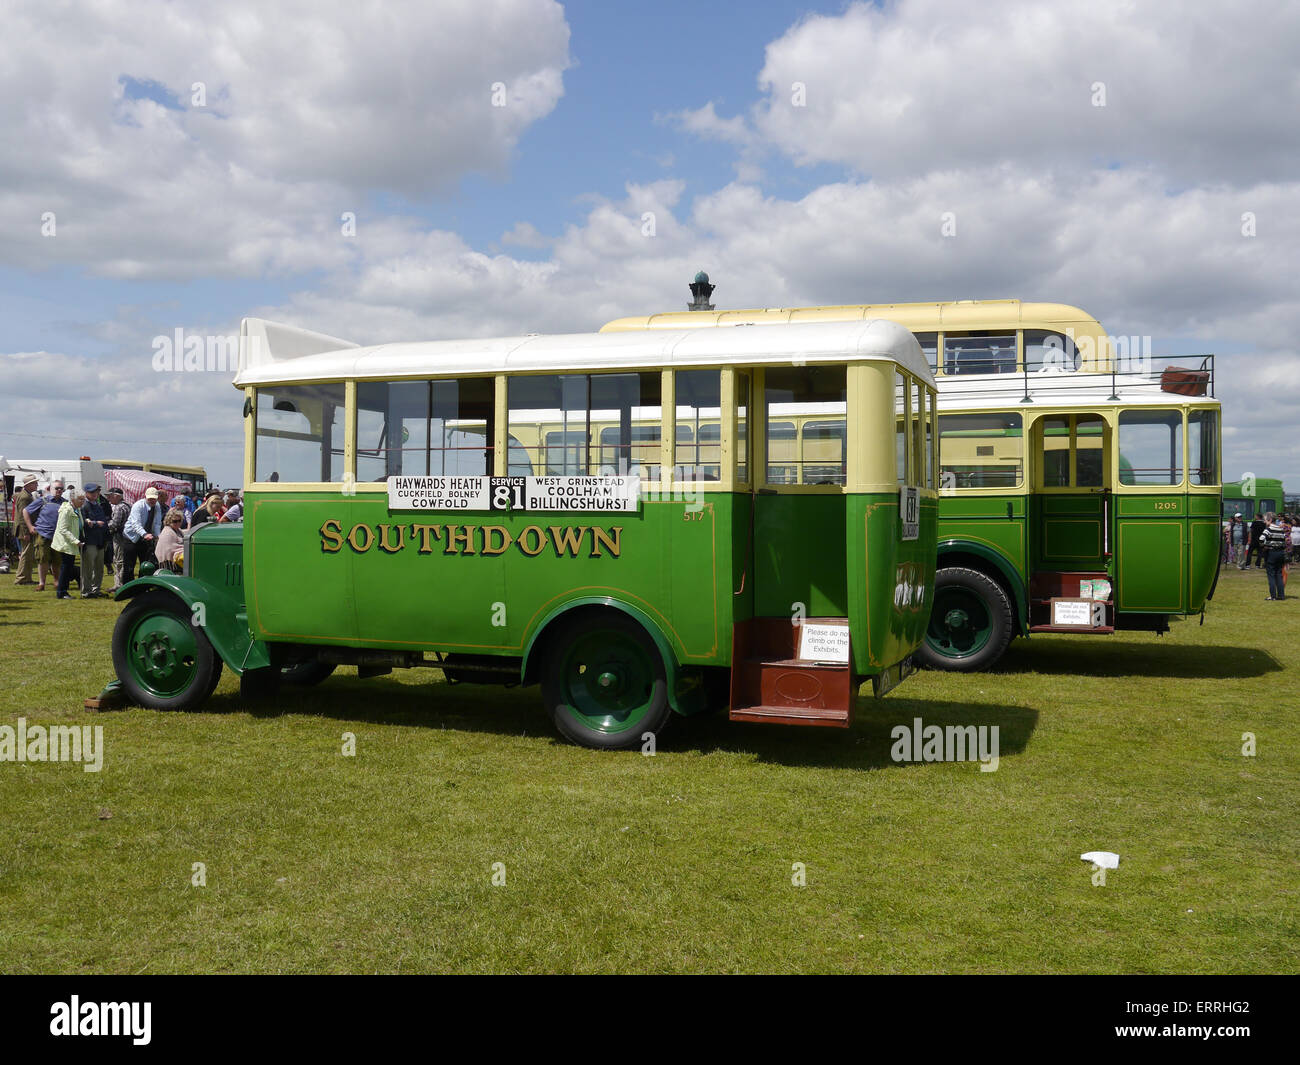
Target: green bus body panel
[1167, 551]
[1071, 534]
[484, 583]
[800, 555]
[1151, 561]
[223, 616]
[890, 580]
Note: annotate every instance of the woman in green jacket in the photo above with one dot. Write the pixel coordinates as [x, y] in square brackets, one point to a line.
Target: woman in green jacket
[68, 540]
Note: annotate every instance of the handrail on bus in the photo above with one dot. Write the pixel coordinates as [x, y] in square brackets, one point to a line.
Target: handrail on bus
[1154, 377]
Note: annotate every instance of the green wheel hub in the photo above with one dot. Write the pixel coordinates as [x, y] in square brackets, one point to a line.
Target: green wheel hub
[960, 625]
[162, 654]
[608, 681]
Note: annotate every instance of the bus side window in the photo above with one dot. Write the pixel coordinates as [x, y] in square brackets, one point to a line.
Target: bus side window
[1150, 447]
[1049, 351]
[742, 427]
[980, 450]
[1203, 446]
[422, 428]
[902, 397]
[918, 433]
[1089, 451]
[810, 393]
[586, 424]
[629, 405]
[699, 425]
[929, 348]
[979, 352]
[930, 399]
[300, 431]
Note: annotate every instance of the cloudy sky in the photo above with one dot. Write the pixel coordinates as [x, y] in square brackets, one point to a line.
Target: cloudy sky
[171, 165]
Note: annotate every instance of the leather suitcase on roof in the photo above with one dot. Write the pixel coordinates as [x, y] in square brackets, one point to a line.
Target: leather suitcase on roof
[1183, 382]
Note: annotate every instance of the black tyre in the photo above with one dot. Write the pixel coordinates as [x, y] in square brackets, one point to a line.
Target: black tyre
[971, 622]
[306, 674]
[163, 660]
[604, 682]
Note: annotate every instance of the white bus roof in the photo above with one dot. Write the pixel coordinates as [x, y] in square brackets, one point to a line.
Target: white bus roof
[270, 353]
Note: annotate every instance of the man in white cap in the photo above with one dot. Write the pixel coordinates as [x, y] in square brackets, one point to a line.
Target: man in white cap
[143, 527]
[26, 541]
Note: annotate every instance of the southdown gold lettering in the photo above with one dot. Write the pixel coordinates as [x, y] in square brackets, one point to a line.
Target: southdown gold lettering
[567, 541]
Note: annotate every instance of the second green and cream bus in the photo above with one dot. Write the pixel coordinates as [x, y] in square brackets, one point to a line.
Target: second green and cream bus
[1079, 479]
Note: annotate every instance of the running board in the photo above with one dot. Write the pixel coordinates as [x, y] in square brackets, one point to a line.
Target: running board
[770, 683]
[789, 715]
[1071, 601]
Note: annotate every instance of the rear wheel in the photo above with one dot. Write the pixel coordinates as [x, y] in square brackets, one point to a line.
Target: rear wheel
[604, 682]
[163, 660]
[971, 623]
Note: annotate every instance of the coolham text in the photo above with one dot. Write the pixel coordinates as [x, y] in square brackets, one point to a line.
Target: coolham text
[390, 538]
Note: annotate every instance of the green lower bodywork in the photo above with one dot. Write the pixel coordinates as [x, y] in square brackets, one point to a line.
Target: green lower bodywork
[1160, 551]
[324, 568]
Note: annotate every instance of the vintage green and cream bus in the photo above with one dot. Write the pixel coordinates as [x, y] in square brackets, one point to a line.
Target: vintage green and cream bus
[1258, 495]
[1079, 476]
[645, 523]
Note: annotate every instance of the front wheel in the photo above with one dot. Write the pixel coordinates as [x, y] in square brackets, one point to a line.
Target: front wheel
[163, 660]
[970, 625]
[604, 682]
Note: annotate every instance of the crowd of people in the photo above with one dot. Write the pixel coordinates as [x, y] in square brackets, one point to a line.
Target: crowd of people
[1269, 540]
[84, 533]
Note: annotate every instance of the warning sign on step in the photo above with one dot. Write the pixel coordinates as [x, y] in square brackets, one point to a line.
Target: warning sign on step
[820, 642]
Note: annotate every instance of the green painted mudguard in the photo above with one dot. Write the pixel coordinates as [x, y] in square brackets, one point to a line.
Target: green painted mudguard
[671, 668]
[223, 621]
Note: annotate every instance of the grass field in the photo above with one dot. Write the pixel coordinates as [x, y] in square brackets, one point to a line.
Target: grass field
[383, 862]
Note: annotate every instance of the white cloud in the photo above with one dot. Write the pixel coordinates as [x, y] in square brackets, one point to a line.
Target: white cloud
[311, 108]
[1206, 89]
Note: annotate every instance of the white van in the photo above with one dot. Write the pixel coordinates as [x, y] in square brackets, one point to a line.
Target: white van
[73, 472]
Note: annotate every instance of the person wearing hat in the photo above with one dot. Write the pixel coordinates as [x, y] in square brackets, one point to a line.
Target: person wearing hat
[26, 542]
[42, 518]
[95, 516]
[118, 543]
[142, 529]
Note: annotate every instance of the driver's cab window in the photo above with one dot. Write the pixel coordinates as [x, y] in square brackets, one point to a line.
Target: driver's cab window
[300, 433]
